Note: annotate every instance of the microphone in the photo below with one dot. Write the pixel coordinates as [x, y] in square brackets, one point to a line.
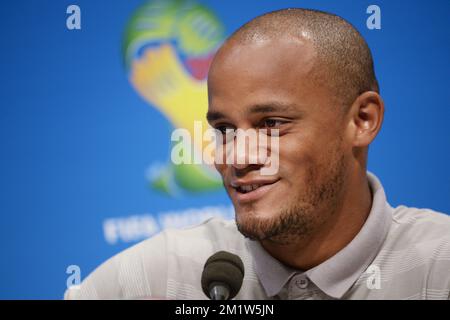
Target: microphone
[222, 276]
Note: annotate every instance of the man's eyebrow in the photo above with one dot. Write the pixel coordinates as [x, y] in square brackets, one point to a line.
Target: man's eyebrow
[258, 108]
[214, 115]
[272, 107]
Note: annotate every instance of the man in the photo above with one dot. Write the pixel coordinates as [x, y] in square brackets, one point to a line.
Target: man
[320, 227]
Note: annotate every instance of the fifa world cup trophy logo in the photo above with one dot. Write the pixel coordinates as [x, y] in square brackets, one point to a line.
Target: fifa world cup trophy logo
[168, 47]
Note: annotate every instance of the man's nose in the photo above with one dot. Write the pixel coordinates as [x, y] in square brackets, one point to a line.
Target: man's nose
[246, 150]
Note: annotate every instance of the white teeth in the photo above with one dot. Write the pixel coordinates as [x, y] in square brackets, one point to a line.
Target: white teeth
[249, 188]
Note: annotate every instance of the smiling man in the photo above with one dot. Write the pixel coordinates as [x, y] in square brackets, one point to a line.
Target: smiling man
[318, 228]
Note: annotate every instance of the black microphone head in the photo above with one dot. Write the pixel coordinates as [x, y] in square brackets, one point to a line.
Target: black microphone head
[225, 268]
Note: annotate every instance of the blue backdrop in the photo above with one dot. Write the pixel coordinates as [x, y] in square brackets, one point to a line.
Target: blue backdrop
[79, 144]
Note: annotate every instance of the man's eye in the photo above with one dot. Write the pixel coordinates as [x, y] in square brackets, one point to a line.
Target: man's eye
[224, 129]
[226, 133]
[272, 123]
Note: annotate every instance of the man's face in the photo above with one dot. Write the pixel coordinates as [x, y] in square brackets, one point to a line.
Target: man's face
[267, 85]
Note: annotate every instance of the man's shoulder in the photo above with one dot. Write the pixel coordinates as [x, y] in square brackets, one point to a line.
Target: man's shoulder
[138, 270]
[202, 240]
[420, 227]
[422, 218]
[213, 229]
[214, 233]
[416, 253]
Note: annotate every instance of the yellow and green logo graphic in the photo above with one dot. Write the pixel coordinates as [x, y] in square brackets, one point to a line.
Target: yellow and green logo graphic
[167, 49]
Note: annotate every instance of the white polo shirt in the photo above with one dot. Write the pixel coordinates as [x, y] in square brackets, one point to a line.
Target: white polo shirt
[400, 253]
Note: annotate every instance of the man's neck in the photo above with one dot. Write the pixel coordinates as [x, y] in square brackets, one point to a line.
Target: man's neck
[333, 236]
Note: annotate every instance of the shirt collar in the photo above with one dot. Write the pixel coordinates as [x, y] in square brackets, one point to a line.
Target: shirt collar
[336, 275]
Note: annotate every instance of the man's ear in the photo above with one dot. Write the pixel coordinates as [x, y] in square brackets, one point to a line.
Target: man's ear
[366, 117]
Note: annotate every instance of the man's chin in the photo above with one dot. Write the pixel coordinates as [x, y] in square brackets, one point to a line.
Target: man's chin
[257, 213]
[254, 223]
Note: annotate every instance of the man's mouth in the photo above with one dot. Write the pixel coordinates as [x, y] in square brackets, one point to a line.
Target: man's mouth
[248, 191]
[248, 188]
